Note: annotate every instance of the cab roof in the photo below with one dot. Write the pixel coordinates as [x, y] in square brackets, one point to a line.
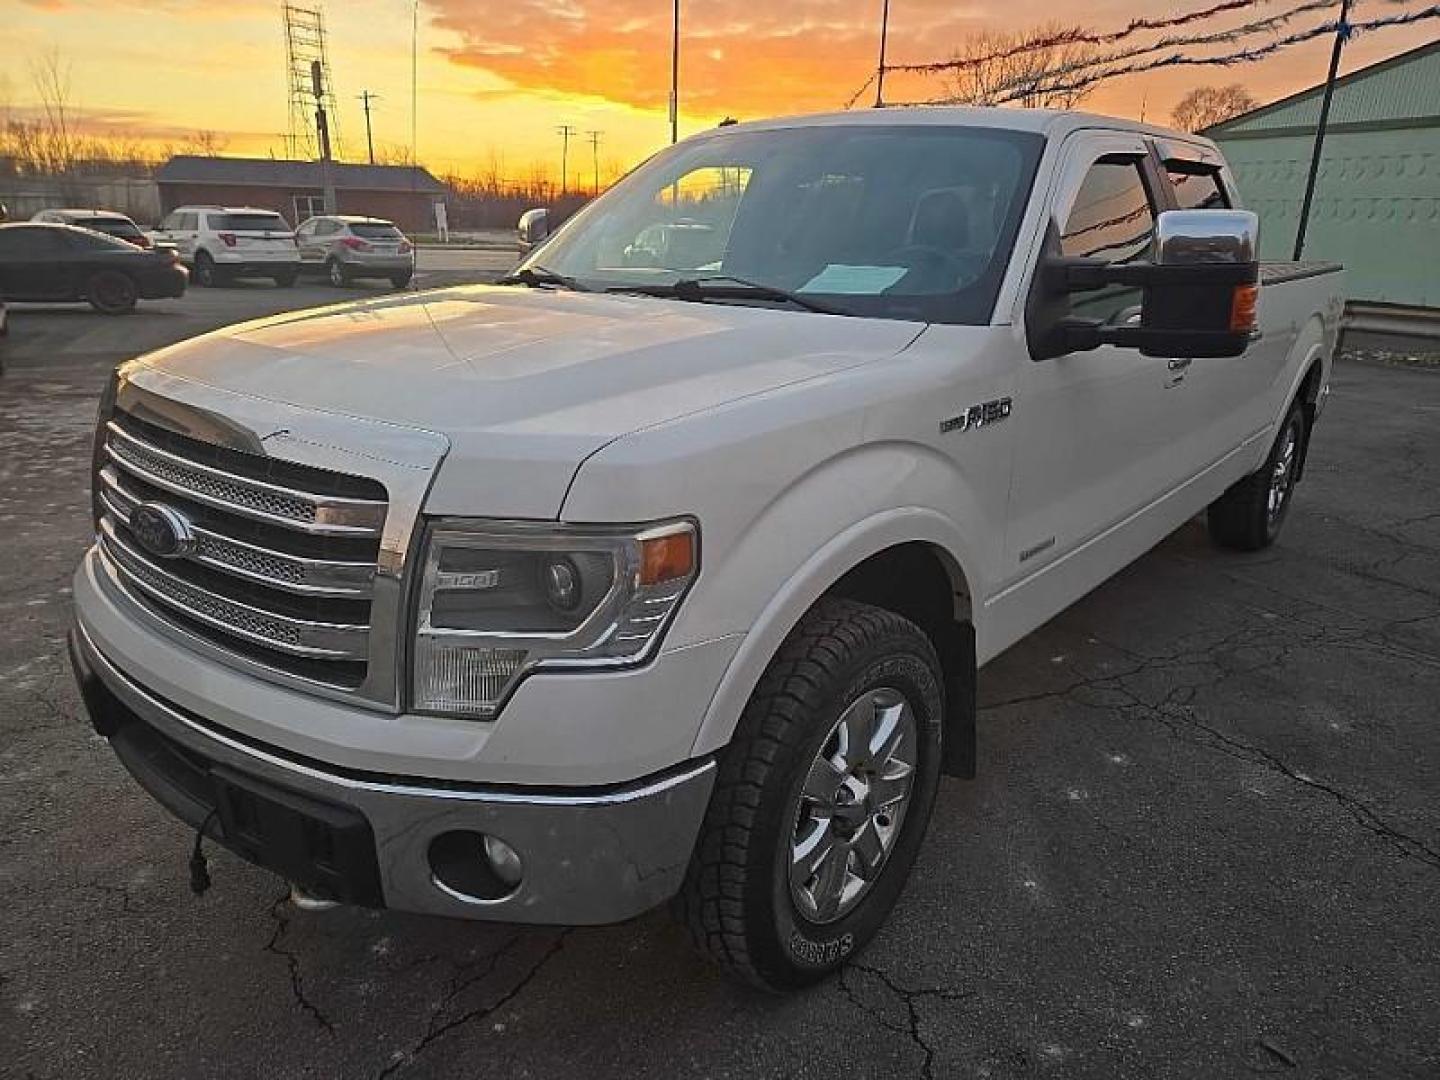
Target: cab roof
[1052, 123]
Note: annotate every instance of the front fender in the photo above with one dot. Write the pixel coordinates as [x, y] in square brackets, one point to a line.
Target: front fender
[799, 592]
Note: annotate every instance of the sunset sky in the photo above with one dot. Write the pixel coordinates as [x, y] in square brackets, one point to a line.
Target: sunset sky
[497, 77]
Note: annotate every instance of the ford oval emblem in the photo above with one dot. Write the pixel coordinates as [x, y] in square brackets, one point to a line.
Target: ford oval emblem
[162, 530]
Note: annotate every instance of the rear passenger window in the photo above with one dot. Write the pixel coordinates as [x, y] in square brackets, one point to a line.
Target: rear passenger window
[1197, 187]
[1112, 219]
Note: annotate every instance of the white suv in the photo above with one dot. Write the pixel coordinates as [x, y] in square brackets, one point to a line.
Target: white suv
[220, 243]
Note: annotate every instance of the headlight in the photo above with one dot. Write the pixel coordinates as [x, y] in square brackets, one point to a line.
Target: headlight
[498, 601]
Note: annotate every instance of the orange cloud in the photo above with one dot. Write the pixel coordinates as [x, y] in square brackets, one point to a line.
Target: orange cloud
[737, 57]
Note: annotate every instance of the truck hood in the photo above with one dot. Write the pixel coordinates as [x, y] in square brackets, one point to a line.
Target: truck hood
[525, 384]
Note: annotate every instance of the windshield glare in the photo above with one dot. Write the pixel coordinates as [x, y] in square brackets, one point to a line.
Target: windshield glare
[905, 222]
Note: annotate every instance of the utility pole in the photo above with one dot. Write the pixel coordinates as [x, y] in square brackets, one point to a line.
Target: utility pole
[322, 134]
[565, 131]
[365, 98]
[1342, 31]
[675, 75]
[595, 156]
[880, 68]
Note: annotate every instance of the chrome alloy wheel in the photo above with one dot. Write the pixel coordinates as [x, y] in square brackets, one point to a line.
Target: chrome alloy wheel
[1282, 475]
[852, 804]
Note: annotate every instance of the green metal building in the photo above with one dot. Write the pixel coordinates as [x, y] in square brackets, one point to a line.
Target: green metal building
[1377, 198]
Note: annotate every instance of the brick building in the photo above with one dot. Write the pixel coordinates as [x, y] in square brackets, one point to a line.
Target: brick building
[296, 189]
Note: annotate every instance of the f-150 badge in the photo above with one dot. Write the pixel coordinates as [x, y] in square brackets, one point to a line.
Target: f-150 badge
[977, 416]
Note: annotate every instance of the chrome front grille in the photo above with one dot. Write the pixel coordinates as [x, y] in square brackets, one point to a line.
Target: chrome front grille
[281, 561]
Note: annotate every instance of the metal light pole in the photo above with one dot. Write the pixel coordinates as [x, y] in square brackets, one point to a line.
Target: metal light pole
[1342, 31]
[414, 73]
[675, 76]
[880, 69]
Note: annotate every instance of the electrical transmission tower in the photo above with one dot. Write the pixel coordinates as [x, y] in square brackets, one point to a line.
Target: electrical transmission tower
[304, 50]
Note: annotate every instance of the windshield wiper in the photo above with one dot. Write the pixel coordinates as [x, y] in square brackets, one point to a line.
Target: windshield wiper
[727, 287]
[535, 276]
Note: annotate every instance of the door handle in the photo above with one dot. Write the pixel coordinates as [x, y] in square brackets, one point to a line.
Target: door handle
[1179, 363]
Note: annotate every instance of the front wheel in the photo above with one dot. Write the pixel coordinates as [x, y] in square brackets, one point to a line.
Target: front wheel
[1249, 515]
[112, 292]
[822, 800]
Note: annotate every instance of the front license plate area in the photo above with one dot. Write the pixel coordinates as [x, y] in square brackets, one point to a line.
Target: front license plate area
[326, 849]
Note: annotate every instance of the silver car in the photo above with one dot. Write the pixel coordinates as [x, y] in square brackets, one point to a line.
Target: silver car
[347, 247]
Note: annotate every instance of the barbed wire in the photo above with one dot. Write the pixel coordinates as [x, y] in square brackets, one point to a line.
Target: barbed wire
[850, 104]
[1043, 80]
[1078, 36]
[1243, 56]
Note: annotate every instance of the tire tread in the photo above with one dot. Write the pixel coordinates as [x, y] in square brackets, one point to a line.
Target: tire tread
[711, 903]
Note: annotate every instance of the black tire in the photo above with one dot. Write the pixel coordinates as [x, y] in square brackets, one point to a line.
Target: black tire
[1249, 516]
[338, 275]
[207, 275]
[400, 281]
[738, 901]
[286, 278]
[112, 292]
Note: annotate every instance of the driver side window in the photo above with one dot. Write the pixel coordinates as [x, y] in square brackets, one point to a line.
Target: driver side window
[1112, 219]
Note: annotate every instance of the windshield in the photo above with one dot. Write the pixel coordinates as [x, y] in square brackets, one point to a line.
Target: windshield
[248, 223]
[904, 222]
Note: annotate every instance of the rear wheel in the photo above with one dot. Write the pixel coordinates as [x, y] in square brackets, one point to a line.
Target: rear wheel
[112, 292]
[401, 281]
[1249, 515]
[822, 800]
[339, 276]
[207, 274]
[286, 278]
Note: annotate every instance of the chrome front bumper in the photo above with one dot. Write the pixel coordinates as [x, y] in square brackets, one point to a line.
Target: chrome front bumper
[590, 856]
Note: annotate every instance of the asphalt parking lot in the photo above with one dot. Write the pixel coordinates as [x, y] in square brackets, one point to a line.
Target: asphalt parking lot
[1205, 840]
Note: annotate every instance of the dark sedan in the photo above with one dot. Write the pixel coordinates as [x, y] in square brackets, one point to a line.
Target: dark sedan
[61, 262]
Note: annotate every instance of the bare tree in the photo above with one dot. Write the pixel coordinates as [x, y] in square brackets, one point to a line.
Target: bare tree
[1034, 68]
[50, 76]
[1208, 105]
[206, 143]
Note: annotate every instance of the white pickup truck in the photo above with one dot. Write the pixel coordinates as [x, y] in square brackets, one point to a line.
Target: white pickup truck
[662, 570]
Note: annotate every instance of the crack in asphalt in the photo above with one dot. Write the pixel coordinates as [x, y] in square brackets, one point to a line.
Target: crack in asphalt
[436, 1029]
[292, 962]
[1409, 846]
[1174, 710]
[910, 998]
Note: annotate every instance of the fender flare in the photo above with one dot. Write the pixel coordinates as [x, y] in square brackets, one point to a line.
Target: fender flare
[827, 565]
[1316, 350]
